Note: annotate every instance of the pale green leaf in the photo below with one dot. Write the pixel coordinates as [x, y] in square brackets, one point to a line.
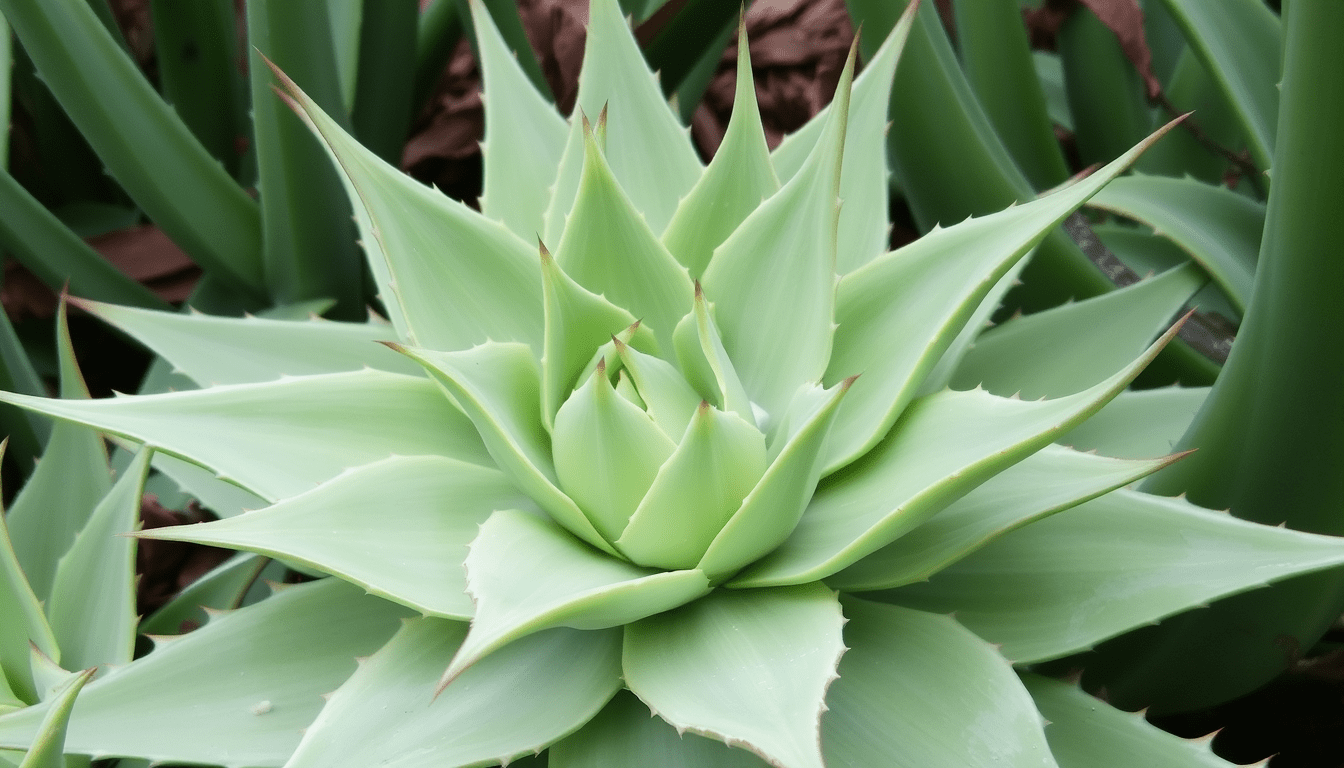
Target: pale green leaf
[864, 175]
[1120, 561]
[1069, 348]
[705, 362]
[918, 690]
[749, 668]
[69, 481]
[512, 703]
[577, 323]
[1050, 481]
[1240, 44]
[1085, 732]
[48, 676]
[650, 152]
[899, 313]
[222, 588]
[526, 574]
[625, 733]
[1139, 424]
[771, 511]
[700, 487]
[448, 276]
[524, 133]
[92, 604]
[229, 350]
[773, 280]
[945, 445]
[268, 666]
[608, 248]
[398, 528]
[607, 453]
[942, 373]
[499, 388]
[1220, 229]
[737, 179]
[48, 748]
[668, 398]
[282, 438]
[25, 626]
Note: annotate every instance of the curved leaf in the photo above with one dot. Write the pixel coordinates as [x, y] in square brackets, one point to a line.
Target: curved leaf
[945, 445]
[1085, 732]
[48, 748]
[399, 528]
[92, 603]
[650, 152]
[737, 179]
[773, 279]
[282, 438]
[609, 248]
[918, 690]
[624, 733]
[269, 665]
[24, 628]
[1139, 424]
[1219, 228]
[449, 277]
[1074, 346]
[1044, 483]
[1120, 561]
[525, 136]
[749, 668]
[228, 350]
[525, 574]
[513, 703]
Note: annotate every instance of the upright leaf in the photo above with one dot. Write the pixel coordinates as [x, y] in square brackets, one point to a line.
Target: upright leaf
[48, 749]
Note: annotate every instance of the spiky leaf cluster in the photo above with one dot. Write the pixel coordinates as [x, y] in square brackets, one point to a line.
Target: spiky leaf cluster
[707, 451]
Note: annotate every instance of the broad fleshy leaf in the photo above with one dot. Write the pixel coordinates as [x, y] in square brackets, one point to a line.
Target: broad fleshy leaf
[771, 511]
[1120, 561]
[1139, 424]
[220, 497]
[946, 445]
[900, 312]
[668, 399]
[1050, 481]
[512, 703]
[773, 280]
[282, 438]
[399, 528]
[749, 668]
[47, 750]
[649, 150]
[607, 453]
[735, 182]
[1085, 732]
[1218, 227]
[498, 387]
[229, 350]
[705, 364]
[525, 135]
[608, 248]
[1072, 347]
[625, 733]
[248, 706]
[718, 462]
[864, 175]
[526, 574]
[918, 690]
[449, 277]
[577, 322]
[92, 604]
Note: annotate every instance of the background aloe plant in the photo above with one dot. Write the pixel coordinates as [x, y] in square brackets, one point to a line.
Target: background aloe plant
[1000, 359]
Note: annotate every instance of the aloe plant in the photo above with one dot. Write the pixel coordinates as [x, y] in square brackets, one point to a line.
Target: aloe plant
[708, 450]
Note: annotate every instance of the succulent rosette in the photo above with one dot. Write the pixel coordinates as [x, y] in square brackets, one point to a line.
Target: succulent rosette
[708, 451]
